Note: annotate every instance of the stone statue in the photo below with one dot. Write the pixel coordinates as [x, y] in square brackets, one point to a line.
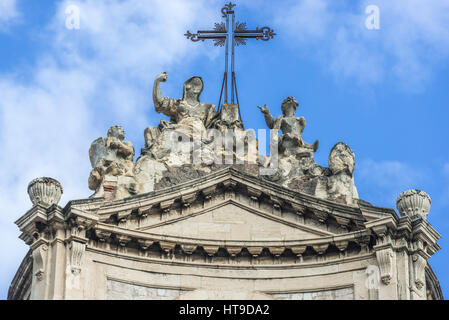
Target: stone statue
[228, 118]
[151, 135]
[342, 159]
[290, 142]
[187, 111]
[340, 185]
[110, 156]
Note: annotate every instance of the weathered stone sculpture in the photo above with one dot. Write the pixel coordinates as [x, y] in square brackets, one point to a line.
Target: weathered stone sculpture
[414, 203]
[189, 118]
[341, 185]
[197, 140]
[296, 168]
[342, 159]
[110, 156]
[45, 191]
[188, 111]
[228, 119]
[291, 142]
[151, 136]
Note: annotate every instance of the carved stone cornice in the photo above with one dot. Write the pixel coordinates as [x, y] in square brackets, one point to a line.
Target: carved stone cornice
[382, 225]
[81, 216]
[102, 235]
[124, 227]
[188, 199]
[297, 250]
[143, 211]
[27, 223]
[212, 250]
[341, 245]
[145, 244]
[55, 215]
[229, 179]
[406, 232]
[123, 239]
[424, 232]
[166, 205]
[124, 214]
[254, 193]
[371, 212]
[168, 243]
[320, 248]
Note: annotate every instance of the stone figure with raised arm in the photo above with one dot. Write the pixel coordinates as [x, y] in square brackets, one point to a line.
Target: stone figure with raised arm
[291, 142]
[187, 110]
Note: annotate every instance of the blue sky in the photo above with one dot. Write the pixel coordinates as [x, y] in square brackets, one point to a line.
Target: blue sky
[383, 92]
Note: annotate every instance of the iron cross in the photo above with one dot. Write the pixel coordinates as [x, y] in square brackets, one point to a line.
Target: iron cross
[230, 34]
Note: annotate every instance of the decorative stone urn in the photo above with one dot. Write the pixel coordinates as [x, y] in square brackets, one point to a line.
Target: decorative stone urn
[45, 191]
[413, 203]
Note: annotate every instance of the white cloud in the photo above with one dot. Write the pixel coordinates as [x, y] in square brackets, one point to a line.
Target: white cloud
[90, 79]
[8, 13]
[310, 19]
[412, 40]
[385, 180]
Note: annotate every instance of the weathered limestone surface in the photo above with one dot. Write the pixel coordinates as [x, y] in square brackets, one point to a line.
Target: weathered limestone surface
[125, 291]
[337, 294]
[200, 215]
[117, 290]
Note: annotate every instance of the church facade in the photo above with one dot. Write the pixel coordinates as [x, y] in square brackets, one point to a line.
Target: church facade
[200, 215]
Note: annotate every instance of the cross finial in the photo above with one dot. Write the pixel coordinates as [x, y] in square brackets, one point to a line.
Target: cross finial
[227, 9]
[230, 34]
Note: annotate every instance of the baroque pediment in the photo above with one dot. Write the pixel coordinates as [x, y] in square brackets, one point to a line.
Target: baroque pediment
[222, 192]
[233, 220]
[225, 209]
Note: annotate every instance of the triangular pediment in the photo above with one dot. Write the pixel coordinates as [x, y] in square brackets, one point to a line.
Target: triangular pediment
[231, 220]
[225, 211]
[229, 205]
